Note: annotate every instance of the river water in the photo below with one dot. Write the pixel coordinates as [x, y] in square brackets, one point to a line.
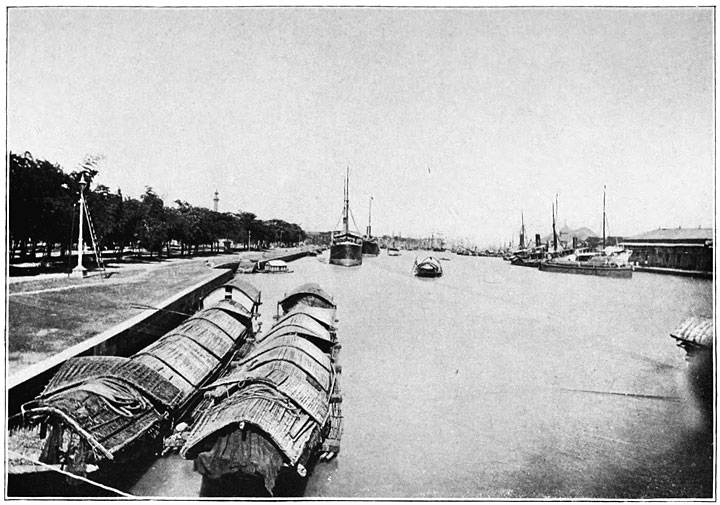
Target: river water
[499, 381]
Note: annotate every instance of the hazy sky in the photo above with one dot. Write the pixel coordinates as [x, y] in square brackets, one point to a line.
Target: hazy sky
[454, 120]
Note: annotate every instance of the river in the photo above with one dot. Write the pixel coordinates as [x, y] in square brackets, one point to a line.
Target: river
[499, 381]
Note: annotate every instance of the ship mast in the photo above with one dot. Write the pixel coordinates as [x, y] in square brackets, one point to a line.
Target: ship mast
[346, 208]
[554, 232]
[369, 234]
[603, 217]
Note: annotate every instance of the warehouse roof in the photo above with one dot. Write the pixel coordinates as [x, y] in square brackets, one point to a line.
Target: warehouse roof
[665, 234]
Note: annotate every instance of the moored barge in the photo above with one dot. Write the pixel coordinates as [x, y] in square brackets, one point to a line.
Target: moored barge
[99, 412]
[277, 410]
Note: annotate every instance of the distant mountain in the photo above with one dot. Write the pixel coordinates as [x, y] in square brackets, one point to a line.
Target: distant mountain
[566, 234]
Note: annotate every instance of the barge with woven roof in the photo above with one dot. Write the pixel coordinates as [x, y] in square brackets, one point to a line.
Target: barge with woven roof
[276, 412]
[98, 412]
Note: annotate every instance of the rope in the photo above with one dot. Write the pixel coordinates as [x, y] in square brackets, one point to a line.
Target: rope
[357, 230]
[68, 474]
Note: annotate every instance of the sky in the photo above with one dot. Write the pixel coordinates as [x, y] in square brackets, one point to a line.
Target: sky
[454, 121]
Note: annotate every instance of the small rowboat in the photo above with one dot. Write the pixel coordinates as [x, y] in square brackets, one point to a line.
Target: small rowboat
[429, 267]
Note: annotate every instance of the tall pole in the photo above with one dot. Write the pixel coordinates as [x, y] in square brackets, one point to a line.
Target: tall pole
[79, 270]
[369, 231]
[554, 232]
[603, 217]
[347, 201]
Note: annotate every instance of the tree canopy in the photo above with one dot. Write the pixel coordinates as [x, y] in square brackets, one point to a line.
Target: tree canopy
[43, 212]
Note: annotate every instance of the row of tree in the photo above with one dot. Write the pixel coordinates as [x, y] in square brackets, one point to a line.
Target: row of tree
[43, 217]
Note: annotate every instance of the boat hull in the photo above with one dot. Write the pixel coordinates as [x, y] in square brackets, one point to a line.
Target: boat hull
[429, 267]
[424, 273]
[599, 270]
[346, 254]
[370, 248]
[523, 262]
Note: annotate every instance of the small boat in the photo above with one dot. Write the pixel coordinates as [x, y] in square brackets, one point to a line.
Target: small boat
[277, 410]
[275, 267]
[100, 412]
[346, 246]
[370, 246]
[528, 257]
[429, 267]
[393, 251]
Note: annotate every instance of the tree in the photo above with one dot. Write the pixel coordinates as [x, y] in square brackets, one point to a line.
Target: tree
[40, 203]
[153, 230]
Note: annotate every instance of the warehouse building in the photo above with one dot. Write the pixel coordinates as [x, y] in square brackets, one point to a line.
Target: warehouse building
[684, 249]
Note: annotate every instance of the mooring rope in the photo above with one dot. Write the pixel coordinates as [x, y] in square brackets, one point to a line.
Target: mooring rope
[68, 474]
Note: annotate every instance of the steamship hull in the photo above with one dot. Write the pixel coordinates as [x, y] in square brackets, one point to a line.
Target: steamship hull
[347, 254]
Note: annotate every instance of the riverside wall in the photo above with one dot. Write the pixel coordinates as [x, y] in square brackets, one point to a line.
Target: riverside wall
[125, 339]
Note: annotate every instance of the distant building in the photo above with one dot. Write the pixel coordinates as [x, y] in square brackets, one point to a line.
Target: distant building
[678, 248]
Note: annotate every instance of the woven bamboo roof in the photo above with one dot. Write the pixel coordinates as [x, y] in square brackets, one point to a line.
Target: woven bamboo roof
[235, 309]
[289, 427]
[301, 324]
[289, 380]
[248, 289]
[309, 294]
[77, 371]
[324, 316]
[188, 355]
[696, 330]
[237, 291]
[295, 350]
[111, 401]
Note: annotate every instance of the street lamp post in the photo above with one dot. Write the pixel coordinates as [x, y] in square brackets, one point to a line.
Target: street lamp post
[79, 270]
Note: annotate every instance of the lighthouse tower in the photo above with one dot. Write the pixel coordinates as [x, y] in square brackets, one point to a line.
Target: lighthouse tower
[215, 201]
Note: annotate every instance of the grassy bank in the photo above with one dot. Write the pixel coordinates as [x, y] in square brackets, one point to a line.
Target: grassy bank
[47, 314]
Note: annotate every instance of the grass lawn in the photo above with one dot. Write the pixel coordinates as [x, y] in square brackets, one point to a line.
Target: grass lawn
[49, 314]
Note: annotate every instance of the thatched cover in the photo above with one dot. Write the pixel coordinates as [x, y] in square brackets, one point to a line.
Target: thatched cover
[246, 288]
[295, 350]
[188, 355]
[236, 291]
[285, 388]
[289, 380]
[301, 324]
[287, 425]
[324, 316]
[695, 331]
[77, 371]
[308, 294]
[111, 402]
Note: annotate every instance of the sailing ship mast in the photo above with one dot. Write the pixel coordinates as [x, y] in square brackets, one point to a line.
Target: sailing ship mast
[522, 231]
[603, 217]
